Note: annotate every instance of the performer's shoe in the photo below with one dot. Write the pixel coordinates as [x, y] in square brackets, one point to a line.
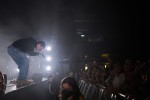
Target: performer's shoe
[20, 83]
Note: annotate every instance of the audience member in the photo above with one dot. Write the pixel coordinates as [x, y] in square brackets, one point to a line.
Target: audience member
[70, 90]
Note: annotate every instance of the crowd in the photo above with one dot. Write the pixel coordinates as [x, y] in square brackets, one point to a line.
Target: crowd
[66, 89]
[128, 79]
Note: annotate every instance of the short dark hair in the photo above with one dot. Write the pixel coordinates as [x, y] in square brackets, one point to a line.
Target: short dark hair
[42, 43]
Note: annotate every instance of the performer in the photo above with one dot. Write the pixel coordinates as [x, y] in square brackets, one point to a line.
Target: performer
[19, 51]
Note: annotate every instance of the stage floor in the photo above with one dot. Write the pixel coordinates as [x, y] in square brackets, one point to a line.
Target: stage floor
[12, 87]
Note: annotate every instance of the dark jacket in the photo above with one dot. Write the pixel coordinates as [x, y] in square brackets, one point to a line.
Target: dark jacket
[26, 45]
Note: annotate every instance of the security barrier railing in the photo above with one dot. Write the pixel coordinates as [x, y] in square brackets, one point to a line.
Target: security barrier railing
[97, 92]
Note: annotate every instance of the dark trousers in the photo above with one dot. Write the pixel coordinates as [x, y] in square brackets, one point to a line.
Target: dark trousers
[21, 59]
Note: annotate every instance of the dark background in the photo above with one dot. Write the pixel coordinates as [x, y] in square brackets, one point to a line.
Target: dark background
[113, 27]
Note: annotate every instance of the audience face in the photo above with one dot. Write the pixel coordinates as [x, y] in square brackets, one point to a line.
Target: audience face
[66, 91]
[68, 88]
[117, 68]
[128, 66]
[50, 78]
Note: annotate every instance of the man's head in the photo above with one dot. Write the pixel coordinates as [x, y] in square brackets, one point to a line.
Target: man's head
[40, 45]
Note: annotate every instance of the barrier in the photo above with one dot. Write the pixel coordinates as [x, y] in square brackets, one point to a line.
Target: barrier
[82, 86]
[88, 92]
[97, 92]
[100, 94]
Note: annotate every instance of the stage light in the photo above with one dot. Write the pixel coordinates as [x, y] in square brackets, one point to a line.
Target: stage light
[48, 48]
[86, 68]
[49, 58]
[48, 68]
[28, 56]
[82, 35]
[105, 66]
[17, 70]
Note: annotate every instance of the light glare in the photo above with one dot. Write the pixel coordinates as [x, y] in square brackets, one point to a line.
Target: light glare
[48, 68]
[17, 70]
[48, 48]
[82, 36]
[48, 58]
[105, 66]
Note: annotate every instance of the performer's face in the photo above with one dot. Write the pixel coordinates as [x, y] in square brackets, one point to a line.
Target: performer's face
[39, 47]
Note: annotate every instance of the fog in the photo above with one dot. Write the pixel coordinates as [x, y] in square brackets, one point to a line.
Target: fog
[57, 22]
